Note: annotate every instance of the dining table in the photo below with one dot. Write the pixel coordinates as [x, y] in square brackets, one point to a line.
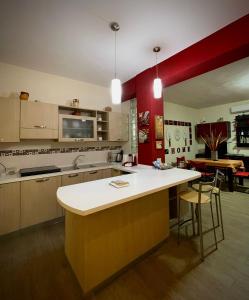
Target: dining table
[230, 165]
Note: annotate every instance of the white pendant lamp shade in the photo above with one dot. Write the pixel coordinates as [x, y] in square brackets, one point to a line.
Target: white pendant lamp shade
[157, 88]
[157, 84]
[116, 91]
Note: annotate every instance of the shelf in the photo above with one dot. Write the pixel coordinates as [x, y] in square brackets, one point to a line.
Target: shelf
[102, 121]
[102, 130]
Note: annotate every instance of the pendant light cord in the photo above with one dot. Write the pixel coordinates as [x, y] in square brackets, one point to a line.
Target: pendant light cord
[115, 59]
[156, 67]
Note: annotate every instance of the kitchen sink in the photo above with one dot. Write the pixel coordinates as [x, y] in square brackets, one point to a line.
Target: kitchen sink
[71, 168]
[85, 167]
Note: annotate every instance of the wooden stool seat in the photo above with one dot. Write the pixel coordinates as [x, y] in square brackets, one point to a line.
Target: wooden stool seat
[206, 188]
[193, 197]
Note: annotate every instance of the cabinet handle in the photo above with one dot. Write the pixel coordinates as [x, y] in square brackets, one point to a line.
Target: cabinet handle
[42, 180]
[73, 175]
[40, 126]
[93, 172]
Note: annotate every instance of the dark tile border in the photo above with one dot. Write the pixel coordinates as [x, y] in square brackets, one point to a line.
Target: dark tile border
[55, 150]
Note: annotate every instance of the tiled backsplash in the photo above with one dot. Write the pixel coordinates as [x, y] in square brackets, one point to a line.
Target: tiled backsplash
[56, 150]
[34, 154]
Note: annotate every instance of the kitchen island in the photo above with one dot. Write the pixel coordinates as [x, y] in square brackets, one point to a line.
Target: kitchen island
[107, 228]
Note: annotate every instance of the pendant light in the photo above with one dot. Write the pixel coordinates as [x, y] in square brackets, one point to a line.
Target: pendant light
[157, 84]
[116, 90]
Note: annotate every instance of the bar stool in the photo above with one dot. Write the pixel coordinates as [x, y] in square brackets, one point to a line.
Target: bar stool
[219, 179]
[200, 197]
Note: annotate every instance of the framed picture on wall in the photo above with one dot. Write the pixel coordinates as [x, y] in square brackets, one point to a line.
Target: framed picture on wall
[144, 118]
[143, 135]
[159, 127]
[159, 144]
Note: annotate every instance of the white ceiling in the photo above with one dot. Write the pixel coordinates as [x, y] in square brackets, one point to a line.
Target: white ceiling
[223, 85]
[72, 38]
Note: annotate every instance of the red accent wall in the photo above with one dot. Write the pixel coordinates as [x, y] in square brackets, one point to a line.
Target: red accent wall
[226, 45]
[147, 152]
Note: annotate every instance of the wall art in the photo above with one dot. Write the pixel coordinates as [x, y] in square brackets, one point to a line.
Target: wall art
[143, 135]
[144, 118]
[159, 127]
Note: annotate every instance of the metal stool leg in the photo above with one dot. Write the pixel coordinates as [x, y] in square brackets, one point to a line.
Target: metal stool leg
[193, 218]
[215, 238]
[179, 219]
[200, 230]
[221, 218]
[217, 210]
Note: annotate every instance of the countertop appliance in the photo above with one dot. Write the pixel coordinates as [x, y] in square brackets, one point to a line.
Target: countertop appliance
[119, 156]
[39, 170]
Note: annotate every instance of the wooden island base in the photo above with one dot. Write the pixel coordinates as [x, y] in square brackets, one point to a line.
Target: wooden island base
[102, 243]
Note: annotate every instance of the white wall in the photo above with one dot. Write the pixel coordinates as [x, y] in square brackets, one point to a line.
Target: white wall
[212, 114]
[51, 88]
[177, 112]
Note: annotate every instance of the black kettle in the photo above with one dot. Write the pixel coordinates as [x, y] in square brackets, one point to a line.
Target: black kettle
[119, 157]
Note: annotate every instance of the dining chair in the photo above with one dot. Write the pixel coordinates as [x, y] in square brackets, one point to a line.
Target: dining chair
[206, 174]
[181, 162]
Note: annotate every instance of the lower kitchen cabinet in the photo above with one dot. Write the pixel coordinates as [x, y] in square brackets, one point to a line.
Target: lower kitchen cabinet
[38, 200]
[72, 179]
[115, 172]
[92, 175]
[9, 207]
[106, 173]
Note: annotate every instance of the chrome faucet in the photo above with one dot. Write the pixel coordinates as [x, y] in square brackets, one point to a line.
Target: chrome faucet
[75, 161]
[5, 169]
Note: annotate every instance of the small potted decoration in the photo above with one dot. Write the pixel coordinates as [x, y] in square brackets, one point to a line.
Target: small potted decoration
[24, 96]
[213, 142]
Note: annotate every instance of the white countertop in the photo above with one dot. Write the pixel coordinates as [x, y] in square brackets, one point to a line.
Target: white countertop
[89, 197]
[16, 177]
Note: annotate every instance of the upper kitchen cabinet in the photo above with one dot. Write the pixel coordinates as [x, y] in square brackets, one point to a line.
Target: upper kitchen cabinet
[38, 120]
[9, 120]
[77, 124]
[118, 126]
[77, 128]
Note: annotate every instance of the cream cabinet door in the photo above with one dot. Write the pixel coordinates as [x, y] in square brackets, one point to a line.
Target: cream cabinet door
[92, 175]
[9, 120]
[72, 179]
[38, 200]
[39, 120]
[118, 126]
[9, 207]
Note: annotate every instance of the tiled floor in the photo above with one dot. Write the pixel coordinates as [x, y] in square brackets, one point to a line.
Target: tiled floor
[33, 265]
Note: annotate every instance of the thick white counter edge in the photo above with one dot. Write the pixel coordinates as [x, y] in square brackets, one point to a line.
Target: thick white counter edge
[90, 197]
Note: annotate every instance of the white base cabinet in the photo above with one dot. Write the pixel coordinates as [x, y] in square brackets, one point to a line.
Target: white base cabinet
[9, 207]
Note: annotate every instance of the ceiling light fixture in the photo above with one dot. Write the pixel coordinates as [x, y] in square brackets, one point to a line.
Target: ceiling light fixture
[157, 85]
[116, 90]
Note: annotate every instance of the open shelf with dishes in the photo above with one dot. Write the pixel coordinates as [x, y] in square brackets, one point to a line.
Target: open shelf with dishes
[102, 126]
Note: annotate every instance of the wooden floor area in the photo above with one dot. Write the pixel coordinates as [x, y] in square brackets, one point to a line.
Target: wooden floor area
[33, 265]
